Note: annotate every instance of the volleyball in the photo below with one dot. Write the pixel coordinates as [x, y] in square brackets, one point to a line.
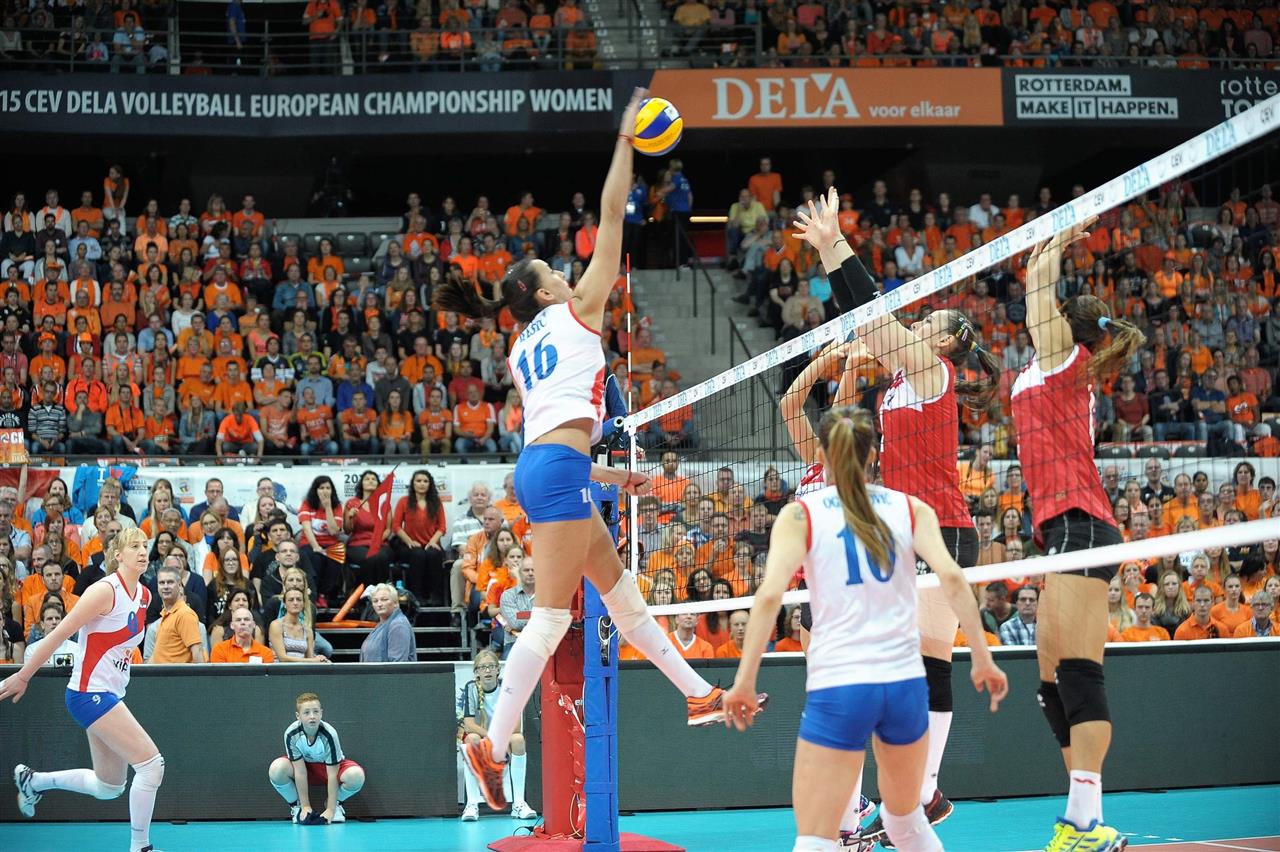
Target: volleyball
[658, 127]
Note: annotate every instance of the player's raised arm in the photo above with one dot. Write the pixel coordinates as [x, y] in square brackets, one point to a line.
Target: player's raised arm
[593, 289]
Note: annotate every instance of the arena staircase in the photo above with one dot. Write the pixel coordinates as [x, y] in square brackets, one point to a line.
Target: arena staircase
[752, 407]
[626, 32]
[436, 631]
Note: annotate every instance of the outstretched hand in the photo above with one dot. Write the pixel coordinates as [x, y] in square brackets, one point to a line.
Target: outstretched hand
[13, 686]
[819, 225]
[628, 126]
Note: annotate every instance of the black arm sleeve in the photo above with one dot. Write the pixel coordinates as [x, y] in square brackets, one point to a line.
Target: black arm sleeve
[855, 288]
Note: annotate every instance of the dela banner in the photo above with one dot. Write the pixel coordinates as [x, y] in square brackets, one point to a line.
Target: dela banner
[1146, 97]
[543, 102]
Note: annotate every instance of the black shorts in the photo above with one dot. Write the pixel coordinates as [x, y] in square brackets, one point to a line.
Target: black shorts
[1075, 530]
[962, 544]
[806, 614]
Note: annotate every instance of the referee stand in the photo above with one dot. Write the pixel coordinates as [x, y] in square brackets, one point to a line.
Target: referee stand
[579, 705]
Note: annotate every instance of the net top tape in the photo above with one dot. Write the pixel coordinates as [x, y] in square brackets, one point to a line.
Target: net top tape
[1224, 138]
[1114, 554]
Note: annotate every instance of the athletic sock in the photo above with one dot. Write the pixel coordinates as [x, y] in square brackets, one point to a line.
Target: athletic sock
[911, 832]
[471, 784]
[288, 791]
[81, 781]
[649, 639]
[142, 800]
[849, 820]
[519, 766]
[1084, 799]
[810, 843]
[939, 728]
[519, 677]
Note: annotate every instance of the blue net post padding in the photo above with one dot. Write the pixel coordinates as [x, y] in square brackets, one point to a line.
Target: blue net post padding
[600, 665]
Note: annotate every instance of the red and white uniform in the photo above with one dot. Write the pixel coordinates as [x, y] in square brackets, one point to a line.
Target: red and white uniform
[814, 479]
[558, 365]
[107, 641]
[1053, 413]
[919, 446]
[864, 616]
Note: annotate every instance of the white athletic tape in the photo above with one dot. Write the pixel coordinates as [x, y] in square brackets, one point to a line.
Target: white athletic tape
[1213, 143]
[1114, 554]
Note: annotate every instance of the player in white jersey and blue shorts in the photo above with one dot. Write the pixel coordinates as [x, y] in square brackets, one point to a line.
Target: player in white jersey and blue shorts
[558, 363]
[858, 545]
[110, 618]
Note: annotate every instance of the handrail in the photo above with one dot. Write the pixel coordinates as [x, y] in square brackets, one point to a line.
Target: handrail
[762, 382]
[696, 266]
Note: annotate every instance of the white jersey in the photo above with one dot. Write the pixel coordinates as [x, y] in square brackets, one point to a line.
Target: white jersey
[107, 641]
[864, 624]
[324, 749]
[558, 365]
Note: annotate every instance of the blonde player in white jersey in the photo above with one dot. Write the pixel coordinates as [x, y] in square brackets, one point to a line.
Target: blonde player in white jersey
[558, 364]
[111, 617]
[858, 545]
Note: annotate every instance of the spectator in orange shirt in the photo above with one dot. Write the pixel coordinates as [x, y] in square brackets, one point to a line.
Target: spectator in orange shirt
[239, 435]
[395, 426]
[1261, 623]
[324, 259]
[524, 210]
[321, 18]
[124, 424]
[436, 424]
[1200, 624]
[1142, 629]
[766, 185]
[687, 642]
[248, 212]
[232, 390]
[737, 633]
[716, 555]
[358, 427]
[475, 423]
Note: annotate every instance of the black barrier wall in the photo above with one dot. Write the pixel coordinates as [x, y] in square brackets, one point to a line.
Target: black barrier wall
[1184, 716]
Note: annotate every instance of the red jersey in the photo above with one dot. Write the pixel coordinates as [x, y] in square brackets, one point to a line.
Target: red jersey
[1053, 413]
[919, 446]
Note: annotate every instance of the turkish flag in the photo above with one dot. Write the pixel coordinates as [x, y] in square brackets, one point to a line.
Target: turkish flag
[380, 505]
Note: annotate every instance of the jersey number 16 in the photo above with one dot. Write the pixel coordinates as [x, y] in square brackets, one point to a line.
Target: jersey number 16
[544, 362]
[855, 556]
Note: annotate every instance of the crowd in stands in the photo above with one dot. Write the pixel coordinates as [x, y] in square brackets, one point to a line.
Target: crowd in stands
[1237, 34]
[210, 333]
[280, 563]
[1200, 282]
[705, 544]
[133, 36]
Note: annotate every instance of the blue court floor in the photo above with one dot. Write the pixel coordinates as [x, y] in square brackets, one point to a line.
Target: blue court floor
[1011, 825]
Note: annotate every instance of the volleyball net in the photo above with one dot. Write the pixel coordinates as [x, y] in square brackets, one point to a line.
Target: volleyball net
[1186, 425]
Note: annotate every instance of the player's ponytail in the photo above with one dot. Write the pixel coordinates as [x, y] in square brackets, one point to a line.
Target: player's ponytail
[519, 288]
[975, 394]
[847, 435]
[1091, 326]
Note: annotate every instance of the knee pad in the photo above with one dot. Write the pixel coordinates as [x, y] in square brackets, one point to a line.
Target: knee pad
[545, 629]
[1051, 704]
[626, 605]
[149, 774]
[1084, 692]
[937, 674]
[106, 792]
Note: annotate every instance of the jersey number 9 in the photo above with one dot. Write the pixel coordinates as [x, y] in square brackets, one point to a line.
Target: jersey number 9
[544, 362]
[855, 557]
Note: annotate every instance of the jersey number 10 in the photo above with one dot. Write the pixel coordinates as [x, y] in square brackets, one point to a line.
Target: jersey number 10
[544, 362]
[854, 557]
